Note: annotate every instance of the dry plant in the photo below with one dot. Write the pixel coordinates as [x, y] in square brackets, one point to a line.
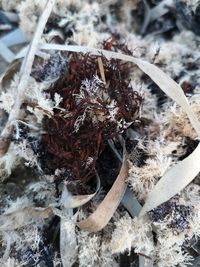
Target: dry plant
[73, 111]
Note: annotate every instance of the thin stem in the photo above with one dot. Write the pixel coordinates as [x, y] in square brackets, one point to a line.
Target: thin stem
[25, 72]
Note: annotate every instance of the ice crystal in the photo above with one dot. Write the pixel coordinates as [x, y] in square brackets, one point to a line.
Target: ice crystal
[89, 250]
[132, 233]
[172, 255]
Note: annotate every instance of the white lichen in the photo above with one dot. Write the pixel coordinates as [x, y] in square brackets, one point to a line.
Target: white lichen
[89, 249]
[179, 121]
[143, 179]
[8, 162]
[132, 233]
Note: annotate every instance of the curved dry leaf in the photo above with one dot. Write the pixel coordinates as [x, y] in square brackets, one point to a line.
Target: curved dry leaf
[104, 212]
[173, 181]
[13, 68]
[68, 240]
[71, 201]
[4, 145]
[6, 53]
[170, 87]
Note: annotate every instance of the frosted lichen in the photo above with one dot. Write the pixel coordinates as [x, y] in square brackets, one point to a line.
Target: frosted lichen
[132, 233]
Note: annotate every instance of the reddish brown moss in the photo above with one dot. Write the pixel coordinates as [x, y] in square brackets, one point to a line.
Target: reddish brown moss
[78, 149]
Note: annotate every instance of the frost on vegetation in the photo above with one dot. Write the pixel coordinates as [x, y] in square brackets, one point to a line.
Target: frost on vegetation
[18, 204]
[89, 247]
[173, 255]
[8, 162]
[126, 14]
[81, 17]
[132, 233]
[11, 262]
[191, 195]
[122, 235]
[43, 192]
[52, 68]
[93, 90]
[24, 241]
[9, 5]
[7, 101]
[194, 226]
[107, 258]
[91, 87]
[169, 54]
[39, 103]
[179, 121]
[191, 3]
[58, 99]
[83, 23]
[175, 55]
[35, 92]
[33, 237]
[149, 107]
[94, 251]
[29, 12]
[179, 226]
[143, 178]
[25, 151]
[7, 98]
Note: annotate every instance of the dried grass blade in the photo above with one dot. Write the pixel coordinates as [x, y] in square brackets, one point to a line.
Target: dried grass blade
[72, 201]
[161, 9]
[131, 203]
[24, 76]
[9, 74]
[170, 87]
[28, 61]
[173, 181]
[101, 69]
[15, 37]
[6, 53]
[102, 215]
[68, 240]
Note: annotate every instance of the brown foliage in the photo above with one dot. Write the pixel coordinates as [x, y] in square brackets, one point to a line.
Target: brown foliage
[78, 150]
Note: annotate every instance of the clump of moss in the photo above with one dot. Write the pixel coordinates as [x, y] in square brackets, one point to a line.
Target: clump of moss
[98, 102]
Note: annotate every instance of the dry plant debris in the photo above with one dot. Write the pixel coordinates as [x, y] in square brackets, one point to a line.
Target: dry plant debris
[91, 111]
[85, 125]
